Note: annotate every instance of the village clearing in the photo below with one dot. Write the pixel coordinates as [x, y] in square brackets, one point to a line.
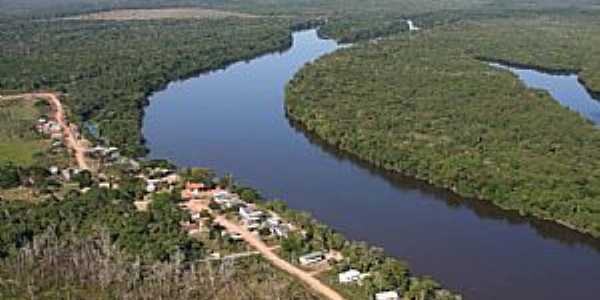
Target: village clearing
[196, 205]
[18, 143]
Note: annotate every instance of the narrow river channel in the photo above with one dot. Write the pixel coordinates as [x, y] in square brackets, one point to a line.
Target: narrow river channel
[233, 121]
[565, 88]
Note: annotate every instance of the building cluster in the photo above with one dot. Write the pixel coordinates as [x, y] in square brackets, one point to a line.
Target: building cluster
[249, 215]
[353, 276]
[49, 128]
[66, 174]
[255, 219]
[106, 154]
[159, 179]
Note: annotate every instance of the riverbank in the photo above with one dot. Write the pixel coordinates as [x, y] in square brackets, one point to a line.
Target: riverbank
[548, 70]
[146, 55]
[284, 236]
[489, 159]
[411, 220]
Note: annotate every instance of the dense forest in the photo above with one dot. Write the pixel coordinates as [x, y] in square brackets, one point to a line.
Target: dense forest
[425, 105]
[108, 68]
[420, 103]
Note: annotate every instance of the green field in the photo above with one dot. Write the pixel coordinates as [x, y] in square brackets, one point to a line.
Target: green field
[19, 143]
[423, 104]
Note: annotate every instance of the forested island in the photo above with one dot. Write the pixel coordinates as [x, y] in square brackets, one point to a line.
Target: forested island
[428, 105]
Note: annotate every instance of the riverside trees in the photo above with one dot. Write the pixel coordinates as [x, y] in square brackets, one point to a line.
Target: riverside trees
[424, 105]
[107, 68]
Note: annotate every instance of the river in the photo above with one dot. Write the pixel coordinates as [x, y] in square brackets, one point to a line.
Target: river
[565, 88]
[233, 120]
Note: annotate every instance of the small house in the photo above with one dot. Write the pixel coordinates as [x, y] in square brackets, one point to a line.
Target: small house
[68, 174]
[53, 127]
[53, 170]
[349, 276]
[249, 214]
[56, 136]
[311, 258]
[389, 295]
[253, 226]
[150, 187]
[171, 179]
[192, 190]
[222, 197]
[279, 231]
[235, 236]
[273, 221]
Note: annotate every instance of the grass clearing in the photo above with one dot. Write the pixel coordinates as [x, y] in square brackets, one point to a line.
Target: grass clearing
[19, 143]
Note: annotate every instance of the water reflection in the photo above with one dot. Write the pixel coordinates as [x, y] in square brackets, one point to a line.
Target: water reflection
[563, 86]
[234, 121]
[483, 209]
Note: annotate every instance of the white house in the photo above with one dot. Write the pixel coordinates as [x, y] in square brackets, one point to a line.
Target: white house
[311, 258]
[223, 198]
[389, 295]
[195, 216]
[279, 230]
[249, 214]
[349, 276]
[53, 170]
[273, 221]
[236, 236]
[150, 187]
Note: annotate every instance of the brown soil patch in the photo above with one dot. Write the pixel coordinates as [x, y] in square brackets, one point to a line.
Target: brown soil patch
[156, 14]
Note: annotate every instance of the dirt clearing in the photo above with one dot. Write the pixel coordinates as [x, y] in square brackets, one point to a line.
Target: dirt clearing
[157, 14]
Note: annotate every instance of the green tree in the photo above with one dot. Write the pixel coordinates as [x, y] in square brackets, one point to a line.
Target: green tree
[9, 176]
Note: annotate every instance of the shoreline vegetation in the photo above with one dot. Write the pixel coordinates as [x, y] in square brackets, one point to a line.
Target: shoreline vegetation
[426, 106]
[112, 99]
[160, 238]
[595, 94]
[77, 208]
[146, 56]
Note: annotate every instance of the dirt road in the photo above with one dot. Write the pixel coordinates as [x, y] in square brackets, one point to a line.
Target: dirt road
[59, 115]
[269, 254]
[277, 261]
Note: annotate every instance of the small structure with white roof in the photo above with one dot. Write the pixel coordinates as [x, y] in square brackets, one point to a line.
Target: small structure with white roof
[249, 214]
[389, 295]
[349, 276]
[311, 258]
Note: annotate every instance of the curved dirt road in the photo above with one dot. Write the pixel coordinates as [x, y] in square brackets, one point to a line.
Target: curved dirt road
[59, 114]
[278, 262]
[268, 252]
